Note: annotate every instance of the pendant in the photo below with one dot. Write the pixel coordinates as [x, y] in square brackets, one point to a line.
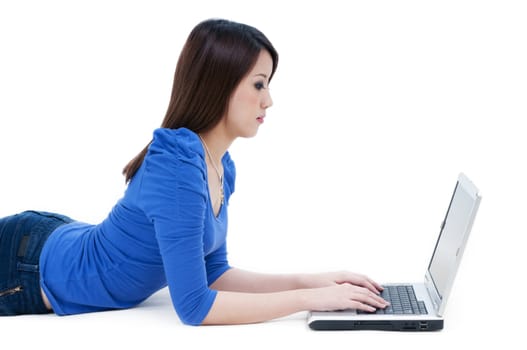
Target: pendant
[222, 195]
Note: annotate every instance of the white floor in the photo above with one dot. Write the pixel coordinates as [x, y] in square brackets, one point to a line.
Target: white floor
[155, 325]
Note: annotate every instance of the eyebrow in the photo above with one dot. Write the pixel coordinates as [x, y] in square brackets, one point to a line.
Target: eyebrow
[261, 75]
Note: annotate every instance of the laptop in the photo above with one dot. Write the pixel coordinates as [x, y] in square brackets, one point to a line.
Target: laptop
[418, 306]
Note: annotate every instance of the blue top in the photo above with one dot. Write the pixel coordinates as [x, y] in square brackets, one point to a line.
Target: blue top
[163, 231]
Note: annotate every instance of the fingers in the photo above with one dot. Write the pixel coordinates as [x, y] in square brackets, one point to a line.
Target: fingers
[374, 286]
[364, 281]
[374, 300]
[365, 299]
[371, 285]
[344, 296]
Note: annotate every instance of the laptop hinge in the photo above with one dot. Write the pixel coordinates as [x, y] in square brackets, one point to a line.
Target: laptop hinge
[432, 293]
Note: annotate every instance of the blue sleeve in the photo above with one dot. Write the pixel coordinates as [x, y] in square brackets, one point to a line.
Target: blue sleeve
[173, 192]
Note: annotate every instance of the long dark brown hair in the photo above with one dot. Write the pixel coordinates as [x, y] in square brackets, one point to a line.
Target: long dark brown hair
[216, 56]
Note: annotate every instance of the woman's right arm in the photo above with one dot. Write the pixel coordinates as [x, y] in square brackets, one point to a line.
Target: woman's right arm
[173, 196]
[240, 308]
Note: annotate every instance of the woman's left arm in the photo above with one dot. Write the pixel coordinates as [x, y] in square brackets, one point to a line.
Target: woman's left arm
[237, 280]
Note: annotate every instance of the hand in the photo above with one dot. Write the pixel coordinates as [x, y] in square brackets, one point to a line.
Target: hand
[344, 290]
[343, 296]
[336, 278]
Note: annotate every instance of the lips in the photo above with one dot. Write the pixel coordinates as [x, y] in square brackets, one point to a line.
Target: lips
[260, 119]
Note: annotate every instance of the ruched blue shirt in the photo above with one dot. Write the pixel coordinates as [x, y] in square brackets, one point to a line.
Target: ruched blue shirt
[162, 232]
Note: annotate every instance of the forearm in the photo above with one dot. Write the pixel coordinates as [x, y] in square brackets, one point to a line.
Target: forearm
[242, 308]
[247, 297]
[251, 297]
[236, 280]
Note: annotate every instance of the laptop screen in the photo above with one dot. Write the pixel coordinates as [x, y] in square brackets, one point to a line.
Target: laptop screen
[453, 236]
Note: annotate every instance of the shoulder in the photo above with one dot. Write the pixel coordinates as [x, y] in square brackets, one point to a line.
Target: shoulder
[174, 156]
[172, 178]
[180, 142]
[176, 146]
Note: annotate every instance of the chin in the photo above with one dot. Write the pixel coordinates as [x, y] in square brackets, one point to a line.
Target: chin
[253, 134]
[247, 134]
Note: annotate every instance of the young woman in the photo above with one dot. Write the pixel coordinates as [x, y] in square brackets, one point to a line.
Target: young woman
[170, 226]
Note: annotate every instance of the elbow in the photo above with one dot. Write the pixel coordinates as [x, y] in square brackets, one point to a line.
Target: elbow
[189, 321]
[193, 313]
[189, 317]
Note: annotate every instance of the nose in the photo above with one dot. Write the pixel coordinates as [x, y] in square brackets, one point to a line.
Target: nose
[267, 100]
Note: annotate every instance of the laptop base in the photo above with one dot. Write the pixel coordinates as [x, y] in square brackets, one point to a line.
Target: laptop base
[378, 325]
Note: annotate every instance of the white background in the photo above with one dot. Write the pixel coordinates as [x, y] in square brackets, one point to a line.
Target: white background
[378, 105]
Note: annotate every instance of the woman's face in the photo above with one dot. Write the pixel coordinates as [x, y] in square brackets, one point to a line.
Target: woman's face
[251, 98]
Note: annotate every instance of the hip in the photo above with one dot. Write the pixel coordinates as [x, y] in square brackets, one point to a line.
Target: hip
[22, 237]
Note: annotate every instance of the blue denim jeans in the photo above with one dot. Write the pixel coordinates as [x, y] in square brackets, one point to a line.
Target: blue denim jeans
[22, 237]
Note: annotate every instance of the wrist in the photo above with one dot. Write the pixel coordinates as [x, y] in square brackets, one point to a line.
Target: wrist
[305, 298]
[304, 281]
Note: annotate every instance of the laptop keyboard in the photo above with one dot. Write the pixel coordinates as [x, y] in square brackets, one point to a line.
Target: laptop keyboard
[402, 302]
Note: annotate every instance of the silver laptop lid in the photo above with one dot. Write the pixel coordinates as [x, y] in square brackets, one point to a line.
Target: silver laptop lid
[451, 242]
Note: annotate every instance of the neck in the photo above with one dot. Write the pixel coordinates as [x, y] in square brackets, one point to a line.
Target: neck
[217, 143]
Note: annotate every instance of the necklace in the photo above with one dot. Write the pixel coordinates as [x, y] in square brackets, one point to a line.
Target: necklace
[222, 195]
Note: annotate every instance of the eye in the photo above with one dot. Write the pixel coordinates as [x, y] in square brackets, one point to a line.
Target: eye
[259, 85]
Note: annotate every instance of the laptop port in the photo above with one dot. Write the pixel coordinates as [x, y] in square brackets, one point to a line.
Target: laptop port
[423, 325]
[409, 326]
